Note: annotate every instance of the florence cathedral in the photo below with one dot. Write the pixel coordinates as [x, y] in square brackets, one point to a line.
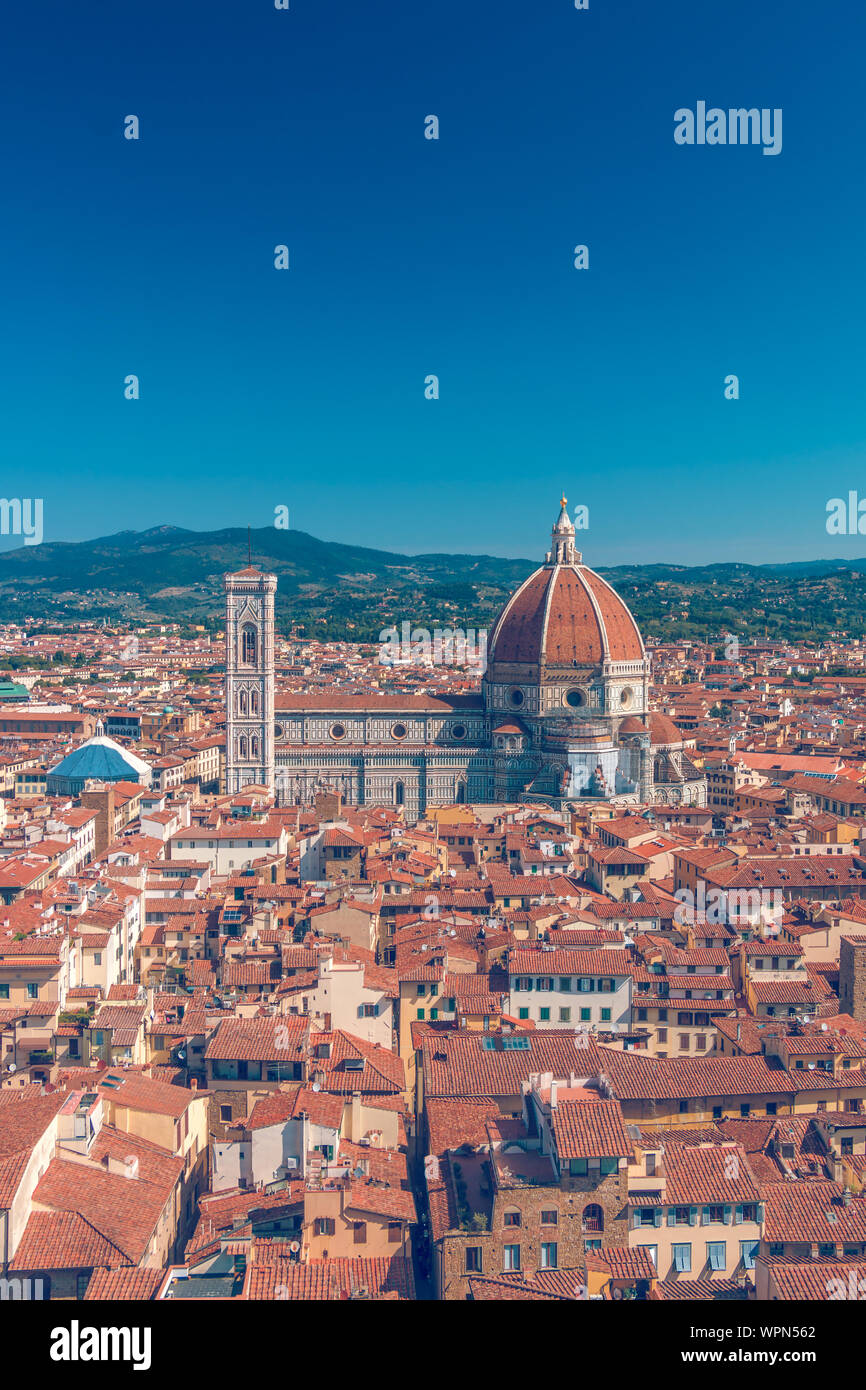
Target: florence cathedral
[562, 715]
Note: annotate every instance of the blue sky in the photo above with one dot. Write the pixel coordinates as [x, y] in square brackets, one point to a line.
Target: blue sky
[306, 388]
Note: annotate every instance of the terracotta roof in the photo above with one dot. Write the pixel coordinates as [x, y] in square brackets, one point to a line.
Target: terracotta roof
[590, 1129]
[564, 615]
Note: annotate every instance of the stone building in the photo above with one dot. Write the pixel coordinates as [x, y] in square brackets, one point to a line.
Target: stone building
[563, 713]
[852, 976]
[529, 1196]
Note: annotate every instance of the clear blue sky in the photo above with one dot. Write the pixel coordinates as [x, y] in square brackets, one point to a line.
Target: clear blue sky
[410, 257]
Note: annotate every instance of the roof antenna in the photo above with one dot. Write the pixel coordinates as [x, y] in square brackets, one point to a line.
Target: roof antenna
[250, 546]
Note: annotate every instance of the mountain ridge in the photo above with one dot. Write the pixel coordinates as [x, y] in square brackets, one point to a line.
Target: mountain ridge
[337, 589]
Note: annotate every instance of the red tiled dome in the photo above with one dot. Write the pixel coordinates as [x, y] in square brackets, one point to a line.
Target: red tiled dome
[562, 615]
[633, 725]
[664, 730]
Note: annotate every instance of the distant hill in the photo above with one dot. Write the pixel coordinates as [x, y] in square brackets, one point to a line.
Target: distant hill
[352, 592]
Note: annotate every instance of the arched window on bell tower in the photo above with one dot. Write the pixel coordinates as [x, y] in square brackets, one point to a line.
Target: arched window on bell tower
[254, 702]
[254, 746]
[249, 645]
[242, 702]
[399, 794]
[242, 746]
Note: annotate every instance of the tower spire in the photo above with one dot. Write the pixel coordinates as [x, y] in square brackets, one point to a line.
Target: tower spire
[250, 546]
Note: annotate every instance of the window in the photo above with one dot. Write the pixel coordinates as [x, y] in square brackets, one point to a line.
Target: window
[578, 1167]
[97, 957]
[359, 1232]
[512, 1218]
[523, 1013]
[565, 1015]
[544, 1015]
[32, 991]
[420, 1013]
[593, 1219]
[4, 991]
[716, 1254]
[548, 1255]
[585, 1015]
[717, 1112]
[682, 1258]
[748, 1251]
[605, 1015]
[745, 1110]
[473, 1259]
[511, 1258]
[325, 1226]
[395, 1232]
[249, 645]
[550, 1218]
[663, 1035]
[565, 984]
[225, 1114]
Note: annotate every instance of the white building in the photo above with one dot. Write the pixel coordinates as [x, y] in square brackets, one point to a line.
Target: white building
[561, 988]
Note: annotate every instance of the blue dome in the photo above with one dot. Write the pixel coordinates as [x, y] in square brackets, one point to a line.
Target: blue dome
[100, 760]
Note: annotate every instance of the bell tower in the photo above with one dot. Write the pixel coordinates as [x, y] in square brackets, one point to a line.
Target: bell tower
[249, 678]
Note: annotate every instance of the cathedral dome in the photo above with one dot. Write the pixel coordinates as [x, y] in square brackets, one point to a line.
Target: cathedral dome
[564, 615]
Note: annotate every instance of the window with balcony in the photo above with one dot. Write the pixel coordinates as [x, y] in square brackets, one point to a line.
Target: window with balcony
[593, 1219]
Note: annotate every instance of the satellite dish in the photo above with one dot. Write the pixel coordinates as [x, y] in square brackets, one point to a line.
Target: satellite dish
[316, 1086]
[12, 1067]
[181, 1056]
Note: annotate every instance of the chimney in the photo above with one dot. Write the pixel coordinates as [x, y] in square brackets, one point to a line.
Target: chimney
[553, 1089]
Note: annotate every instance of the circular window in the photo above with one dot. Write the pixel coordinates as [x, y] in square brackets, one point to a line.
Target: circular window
[338, 731]
[516, 697]
[458, 730]
[575, 698]
[278, 731]
[625, 697]
[398, 730]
